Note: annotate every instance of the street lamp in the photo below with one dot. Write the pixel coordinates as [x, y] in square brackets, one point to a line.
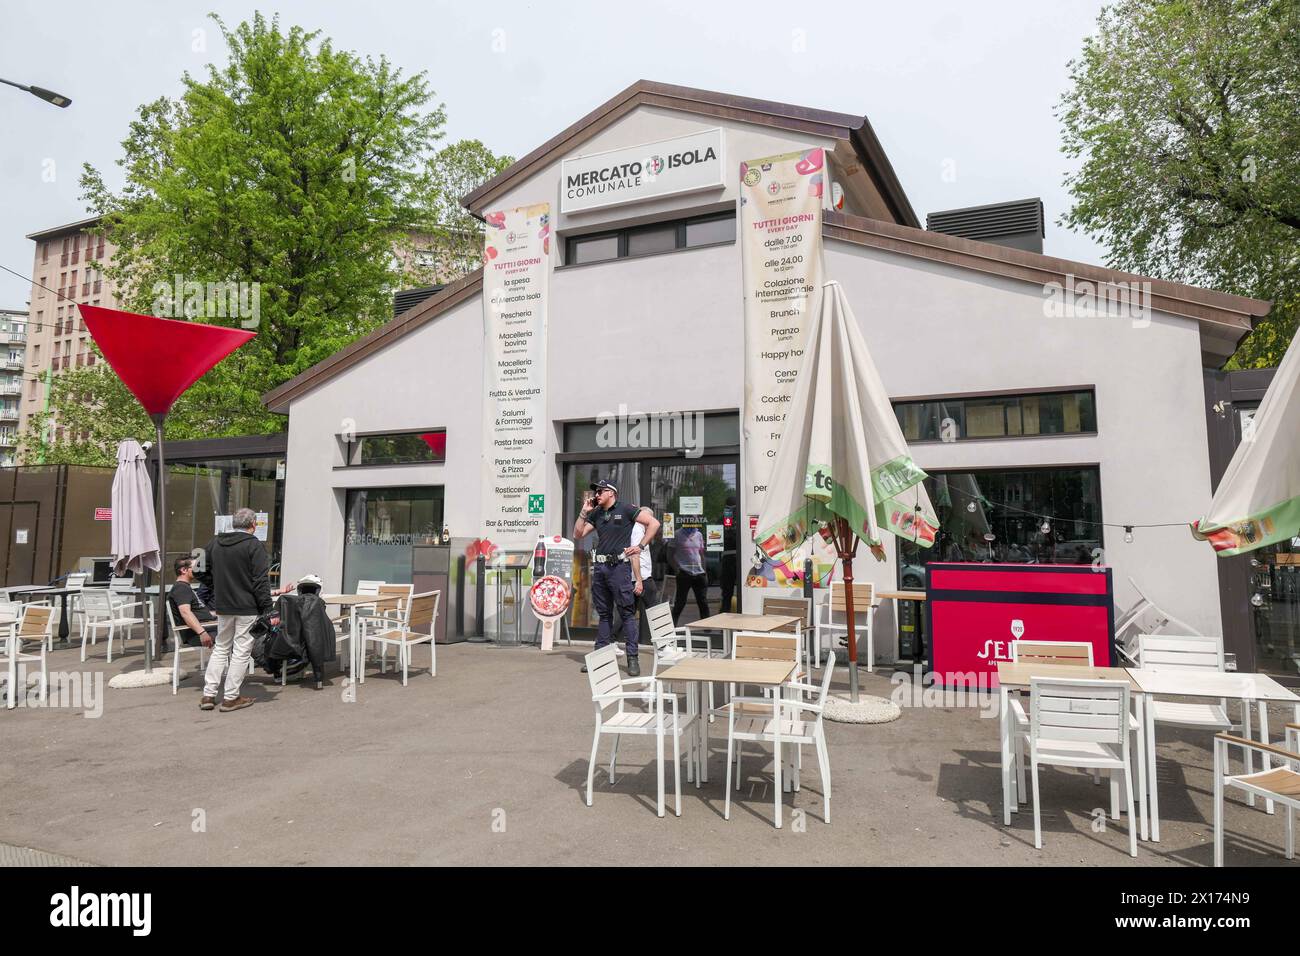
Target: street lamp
[49, 96]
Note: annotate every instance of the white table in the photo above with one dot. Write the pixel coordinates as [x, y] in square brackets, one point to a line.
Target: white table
[352, 602]
[1179, 682]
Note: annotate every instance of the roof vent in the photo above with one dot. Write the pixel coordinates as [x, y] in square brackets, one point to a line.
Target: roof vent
[1016, 224]
[408, 299]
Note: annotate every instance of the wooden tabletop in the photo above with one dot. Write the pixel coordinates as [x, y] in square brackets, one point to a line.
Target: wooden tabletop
[1019, 675]
[1182, 682]
[724, 670]
[746, 622]
[346, 600]
[902, 595]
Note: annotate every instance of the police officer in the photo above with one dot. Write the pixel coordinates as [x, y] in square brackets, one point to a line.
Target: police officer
[612, 582]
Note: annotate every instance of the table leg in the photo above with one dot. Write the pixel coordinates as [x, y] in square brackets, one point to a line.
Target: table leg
[1263, 739]
[11, 644]
[1153, 777]
[63, 621]
[704, 749]
[1249, 756]
[1141, 765]
[1004, 741]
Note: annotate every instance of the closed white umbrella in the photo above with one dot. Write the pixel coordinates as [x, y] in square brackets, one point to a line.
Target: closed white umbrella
[1258, 500]
[843, 459]
[134, 532]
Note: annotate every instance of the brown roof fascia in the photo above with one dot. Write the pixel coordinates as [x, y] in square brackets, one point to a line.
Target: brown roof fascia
[1225, 315]
[684, 99]
[66, 229]
[278, 399]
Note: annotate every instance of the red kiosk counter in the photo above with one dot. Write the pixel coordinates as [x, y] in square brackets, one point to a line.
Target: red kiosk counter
[975, 611]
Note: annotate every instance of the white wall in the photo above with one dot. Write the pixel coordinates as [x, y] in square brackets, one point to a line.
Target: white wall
[663, 333]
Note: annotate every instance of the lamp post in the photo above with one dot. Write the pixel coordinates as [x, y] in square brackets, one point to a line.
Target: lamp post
[49, 96]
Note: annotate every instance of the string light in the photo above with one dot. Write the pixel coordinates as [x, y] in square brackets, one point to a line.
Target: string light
[1128, 534]
[974, 501]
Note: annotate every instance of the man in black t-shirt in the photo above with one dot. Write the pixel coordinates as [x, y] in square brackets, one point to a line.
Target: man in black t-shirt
[188, 611]
[612, 584]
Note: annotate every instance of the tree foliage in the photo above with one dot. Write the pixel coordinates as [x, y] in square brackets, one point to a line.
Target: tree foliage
[1186, 115]
[296, 170]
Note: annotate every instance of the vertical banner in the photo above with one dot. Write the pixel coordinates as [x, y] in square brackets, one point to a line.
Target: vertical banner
[781, 254]
[516, 280]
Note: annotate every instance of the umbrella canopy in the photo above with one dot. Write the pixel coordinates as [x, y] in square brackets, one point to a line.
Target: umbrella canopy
[1258, 500]
[842, 454]
[135, 534]
[158, 359]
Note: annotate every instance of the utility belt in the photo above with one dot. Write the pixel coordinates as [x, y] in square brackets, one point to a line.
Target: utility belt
[610, 559]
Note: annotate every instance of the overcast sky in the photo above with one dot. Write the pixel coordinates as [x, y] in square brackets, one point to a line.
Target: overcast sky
[950, 86]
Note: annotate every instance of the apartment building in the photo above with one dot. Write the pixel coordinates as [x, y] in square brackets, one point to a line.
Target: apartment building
[67, 269]
[13, 344]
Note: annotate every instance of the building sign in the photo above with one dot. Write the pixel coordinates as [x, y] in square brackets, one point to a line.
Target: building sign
[103, 514]
[634, 173]
[781, 254]
[516, 279]
[690, 505]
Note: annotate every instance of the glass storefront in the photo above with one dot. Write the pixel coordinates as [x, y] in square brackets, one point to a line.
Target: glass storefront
[381, 526]
[198, 491]
[999, 516]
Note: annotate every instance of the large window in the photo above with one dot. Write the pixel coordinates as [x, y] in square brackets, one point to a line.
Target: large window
[999, 416]
[648, 240]
[382, 524]
[1026, 516]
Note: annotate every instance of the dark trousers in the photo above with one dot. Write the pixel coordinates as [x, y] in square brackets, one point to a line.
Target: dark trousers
[728, 582]
[699, 583]
[615, 602]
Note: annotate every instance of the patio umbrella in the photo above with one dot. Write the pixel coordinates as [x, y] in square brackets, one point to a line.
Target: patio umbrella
[1258, 499]
[158, 359]
[134, 531]
[843, 460]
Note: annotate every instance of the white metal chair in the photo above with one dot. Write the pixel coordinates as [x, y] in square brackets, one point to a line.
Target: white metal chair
[1143, 616]
[403, 635]
[784, 715]
[671, 643]
[36, 624]
[103, 613]
[178, 633]
[1081, 723]
[610, 694]
[394, 605]
[1190, 652]
[1280, 784]
[832, 619]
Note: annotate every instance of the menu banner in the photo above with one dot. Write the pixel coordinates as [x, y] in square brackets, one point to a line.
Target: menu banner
[781, 254]
[516, 280]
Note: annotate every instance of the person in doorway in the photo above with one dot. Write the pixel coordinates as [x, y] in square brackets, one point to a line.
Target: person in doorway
[189, 611]
[236, 567]
[691, 575]
[613, 588]
[727, 571]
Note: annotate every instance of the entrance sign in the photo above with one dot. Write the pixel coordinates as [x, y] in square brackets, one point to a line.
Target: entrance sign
[691, 505]
[649, 171]
[781, 254]
[516, 279]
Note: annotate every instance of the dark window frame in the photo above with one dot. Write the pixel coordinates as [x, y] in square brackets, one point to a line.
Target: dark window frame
[623, 234]
[1002, 396]
[352, 449]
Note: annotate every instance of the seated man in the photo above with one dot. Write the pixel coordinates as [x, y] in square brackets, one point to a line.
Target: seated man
[199, 620]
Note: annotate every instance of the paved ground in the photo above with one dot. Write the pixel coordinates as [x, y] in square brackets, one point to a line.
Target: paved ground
[486, 763]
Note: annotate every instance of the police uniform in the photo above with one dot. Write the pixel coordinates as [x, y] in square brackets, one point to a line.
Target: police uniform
[612, 588]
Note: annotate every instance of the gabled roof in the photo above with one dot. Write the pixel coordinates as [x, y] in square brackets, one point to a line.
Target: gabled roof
[854, 130]
[1223, 319]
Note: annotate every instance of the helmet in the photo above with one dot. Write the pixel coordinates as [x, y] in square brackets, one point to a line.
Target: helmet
[309, 584]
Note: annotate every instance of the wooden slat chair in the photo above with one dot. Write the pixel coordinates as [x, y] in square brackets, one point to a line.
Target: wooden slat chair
[423, 612]
[609, 693]
[785, 607]
[1081, 723]
[832, 619]
[788, 717]
[103, 612]
[36, 624]
[394, 604]
[756, 646]
[179, 632]
[1280, 784]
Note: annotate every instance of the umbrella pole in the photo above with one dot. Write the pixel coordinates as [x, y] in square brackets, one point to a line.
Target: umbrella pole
[159, 616]
[847, 543]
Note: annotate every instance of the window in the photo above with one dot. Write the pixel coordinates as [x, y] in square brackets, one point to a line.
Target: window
[382, 524]
[999, 516]
[999, 416]
[399, 448]
[649, 240]
[45, 252]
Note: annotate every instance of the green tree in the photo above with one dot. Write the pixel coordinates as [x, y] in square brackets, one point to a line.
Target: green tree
[296, 169]
[1186, 114]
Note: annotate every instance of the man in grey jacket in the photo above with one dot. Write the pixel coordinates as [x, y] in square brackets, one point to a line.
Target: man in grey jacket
[236, 567]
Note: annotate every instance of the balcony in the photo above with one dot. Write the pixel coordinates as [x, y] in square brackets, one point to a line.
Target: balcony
[8, 414]
[16, 337]
[10, 388]
[63, 259]
[11, 364]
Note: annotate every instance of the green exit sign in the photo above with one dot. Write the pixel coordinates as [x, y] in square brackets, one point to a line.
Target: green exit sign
[536, 504]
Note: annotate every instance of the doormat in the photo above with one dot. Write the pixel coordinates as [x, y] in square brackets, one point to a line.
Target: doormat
[868, 710]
